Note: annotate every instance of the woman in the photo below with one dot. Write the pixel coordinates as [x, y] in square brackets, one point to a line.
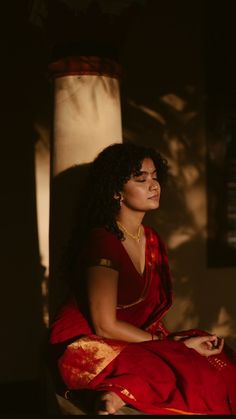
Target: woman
[109, 337]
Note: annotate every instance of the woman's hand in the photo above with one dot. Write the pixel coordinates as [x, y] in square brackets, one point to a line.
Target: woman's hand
[205, 345]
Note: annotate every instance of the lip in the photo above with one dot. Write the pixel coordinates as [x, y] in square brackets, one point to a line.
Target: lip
[154, 197]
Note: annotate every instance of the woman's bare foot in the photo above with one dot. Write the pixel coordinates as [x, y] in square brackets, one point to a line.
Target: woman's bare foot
[108, 403]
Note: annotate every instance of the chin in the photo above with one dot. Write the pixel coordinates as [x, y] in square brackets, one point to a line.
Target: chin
[155, 204]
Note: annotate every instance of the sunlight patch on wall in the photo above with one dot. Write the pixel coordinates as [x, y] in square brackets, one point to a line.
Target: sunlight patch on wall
[195, 198]
[179, 236]
[42, 168]
[174, 101]
[87, 118]
[182, 315]
[224, 325]
[148, 111]
[42, 176]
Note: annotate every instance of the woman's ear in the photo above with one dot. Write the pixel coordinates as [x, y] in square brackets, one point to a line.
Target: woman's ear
[118, 196]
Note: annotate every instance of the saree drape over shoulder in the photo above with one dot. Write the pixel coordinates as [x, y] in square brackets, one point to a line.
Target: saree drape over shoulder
[157, 376]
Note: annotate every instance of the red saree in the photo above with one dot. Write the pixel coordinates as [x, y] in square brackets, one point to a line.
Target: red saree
[155, 377]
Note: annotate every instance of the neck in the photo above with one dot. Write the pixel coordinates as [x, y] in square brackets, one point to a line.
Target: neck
[131, 221]
[127, 233]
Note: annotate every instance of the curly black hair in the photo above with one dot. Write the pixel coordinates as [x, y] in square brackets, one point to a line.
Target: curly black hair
[110, 170]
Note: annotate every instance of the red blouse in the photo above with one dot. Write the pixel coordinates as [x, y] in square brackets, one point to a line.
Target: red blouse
[142, 299]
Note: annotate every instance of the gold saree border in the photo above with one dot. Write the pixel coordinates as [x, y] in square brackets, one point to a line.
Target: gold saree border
[122, 390]
[86, 357]
[182, 412]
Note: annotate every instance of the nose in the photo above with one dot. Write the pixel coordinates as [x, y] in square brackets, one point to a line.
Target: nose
[154, 185]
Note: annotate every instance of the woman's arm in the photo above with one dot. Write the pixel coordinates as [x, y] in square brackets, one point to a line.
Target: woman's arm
[102, 297]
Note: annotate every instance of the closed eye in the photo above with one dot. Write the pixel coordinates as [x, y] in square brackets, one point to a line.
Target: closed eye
[144, 180]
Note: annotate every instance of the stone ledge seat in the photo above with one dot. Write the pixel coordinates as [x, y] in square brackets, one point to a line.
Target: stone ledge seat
[78, 406]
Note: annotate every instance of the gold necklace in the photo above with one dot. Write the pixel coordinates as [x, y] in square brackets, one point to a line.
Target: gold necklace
[133, 236]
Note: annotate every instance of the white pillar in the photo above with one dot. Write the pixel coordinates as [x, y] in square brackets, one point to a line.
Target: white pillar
[87, 118]
[87, 115]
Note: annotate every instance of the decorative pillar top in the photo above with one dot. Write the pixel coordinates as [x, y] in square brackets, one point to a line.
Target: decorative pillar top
[85, 65]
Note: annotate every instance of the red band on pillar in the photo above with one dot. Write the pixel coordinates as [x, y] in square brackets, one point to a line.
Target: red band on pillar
[85, 65]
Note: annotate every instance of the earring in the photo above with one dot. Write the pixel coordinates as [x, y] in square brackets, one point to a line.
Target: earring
[118, 198]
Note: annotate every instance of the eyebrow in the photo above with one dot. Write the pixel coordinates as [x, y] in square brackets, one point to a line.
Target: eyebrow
[145, 172]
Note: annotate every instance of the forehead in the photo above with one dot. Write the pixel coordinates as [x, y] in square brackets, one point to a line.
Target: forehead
[147, 165]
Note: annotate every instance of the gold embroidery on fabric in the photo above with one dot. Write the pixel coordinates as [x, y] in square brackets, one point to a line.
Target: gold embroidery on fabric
[107, 263]
[128, 394]
[216, 362]
[130, 305]
[94, 355]
[123, 390]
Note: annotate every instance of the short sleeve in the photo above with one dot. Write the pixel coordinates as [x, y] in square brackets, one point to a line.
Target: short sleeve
[102, 249]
